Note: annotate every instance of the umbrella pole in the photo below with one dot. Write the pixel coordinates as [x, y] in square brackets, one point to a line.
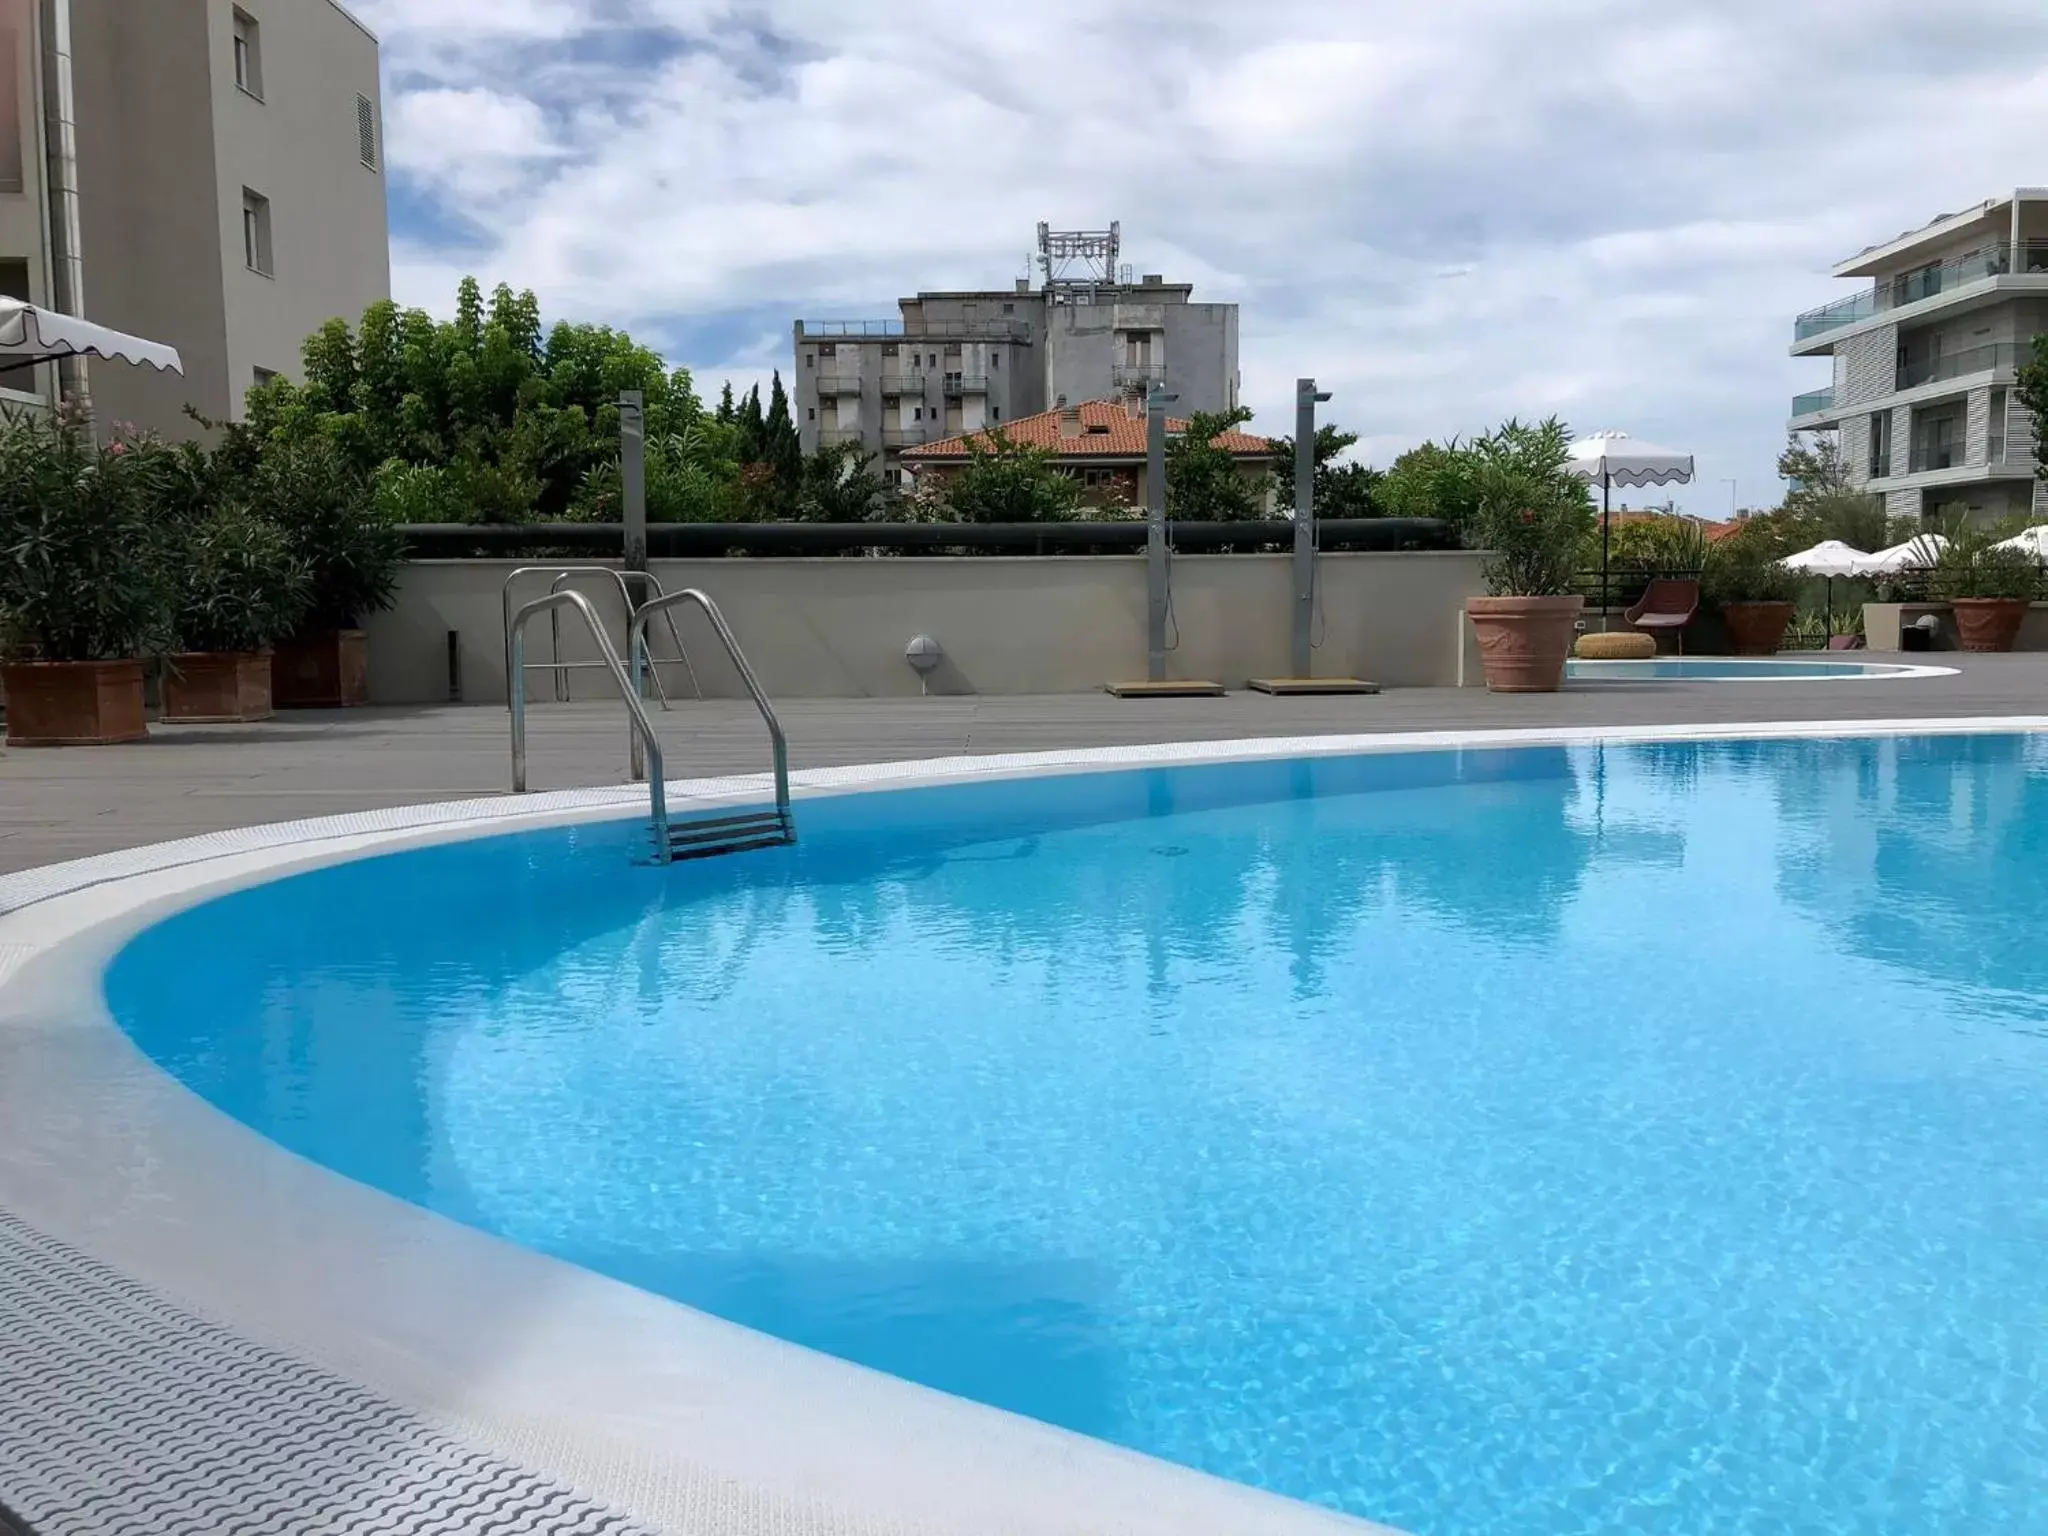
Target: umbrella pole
[1606, 494]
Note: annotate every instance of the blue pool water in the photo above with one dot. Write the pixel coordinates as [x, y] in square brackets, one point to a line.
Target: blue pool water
[1553, 1141]
[1730, 669]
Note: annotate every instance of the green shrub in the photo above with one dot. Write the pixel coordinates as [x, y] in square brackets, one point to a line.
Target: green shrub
[241, 585]
[1530, 511]
[82, 569]
[1971, 564]
[349, 545]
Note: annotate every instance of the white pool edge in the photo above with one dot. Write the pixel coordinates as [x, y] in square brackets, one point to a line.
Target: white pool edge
[633, 1400]
[1617, 669]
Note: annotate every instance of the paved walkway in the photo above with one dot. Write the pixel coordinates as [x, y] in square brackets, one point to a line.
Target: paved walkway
[67, 803]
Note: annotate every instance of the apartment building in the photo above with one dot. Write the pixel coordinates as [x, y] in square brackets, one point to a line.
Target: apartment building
[956, 362]
[1924, 357]
[227, 195]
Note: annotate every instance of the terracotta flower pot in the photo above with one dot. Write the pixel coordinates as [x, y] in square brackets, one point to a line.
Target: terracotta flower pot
[74, 703]
[328, 669]
[1989, 623]
[1523, 641]
[209, 687]
[1757, 629]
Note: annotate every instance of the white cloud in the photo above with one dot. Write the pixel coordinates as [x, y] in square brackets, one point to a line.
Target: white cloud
[1636, 200]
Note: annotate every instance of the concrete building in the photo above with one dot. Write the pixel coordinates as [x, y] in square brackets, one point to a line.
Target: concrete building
[960, 362]
[1924, 360]
[229, 188]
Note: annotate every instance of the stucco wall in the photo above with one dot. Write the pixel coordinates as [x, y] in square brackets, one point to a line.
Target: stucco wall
[831, 628]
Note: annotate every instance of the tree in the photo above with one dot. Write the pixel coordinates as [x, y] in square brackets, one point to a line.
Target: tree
[1011, 482]
[1445, 481]
[1342, 490]
[1431, 480]
[781, 451]
[492, 417]
[1820, 502]
[839, 485]
[2032, 390]
[1204, 482]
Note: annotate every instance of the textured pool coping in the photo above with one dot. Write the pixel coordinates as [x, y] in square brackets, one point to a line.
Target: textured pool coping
[447, 1379]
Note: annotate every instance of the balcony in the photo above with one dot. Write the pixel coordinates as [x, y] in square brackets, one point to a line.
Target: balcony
[1926, 456]
[1907, 288]
[1813, 402]
[1137, 375]
[966, 384]
[1993, 357]
[832, 437]
[933, 330]
[903, 437]
[903, 384]
[838, 384]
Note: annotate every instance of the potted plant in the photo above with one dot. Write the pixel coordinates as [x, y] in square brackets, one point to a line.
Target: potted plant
[351, 553]
[1532, 516]
[83, 596]
[1754, 593]
[241, 586]
[1988, 586]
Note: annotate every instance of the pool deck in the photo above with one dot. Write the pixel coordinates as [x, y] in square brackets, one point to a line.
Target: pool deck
[187, 780]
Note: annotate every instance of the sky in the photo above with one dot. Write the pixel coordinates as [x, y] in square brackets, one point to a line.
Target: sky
[1447, 214]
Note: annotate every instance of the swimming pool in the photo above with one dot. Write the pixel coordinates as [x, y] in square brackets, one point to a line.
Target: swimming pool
[1538, 1140]
[1744, 669]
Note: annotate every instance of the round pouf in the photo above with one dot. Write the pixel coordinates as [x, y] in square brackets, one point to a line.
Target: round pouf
[1620, 645]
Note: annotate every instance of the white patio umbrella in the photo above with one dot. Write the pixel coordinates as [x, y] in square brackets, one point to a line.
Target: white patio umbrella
[2033, 541]
[1916, 554]
[1829, 558]
[1609, 459]
[31, 334]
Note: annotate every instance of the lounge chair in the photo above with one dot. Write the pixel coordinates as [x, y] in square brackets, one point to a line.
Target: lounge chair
[1666, 604]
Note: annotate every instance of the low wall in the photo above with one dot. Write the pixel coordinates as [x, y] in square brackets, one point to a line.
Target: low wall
[836, 628]
[1883, 621]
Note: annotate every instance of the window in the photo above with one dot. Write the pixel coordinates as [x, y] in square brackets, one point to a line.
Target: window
[996, 411]
[995, 360]
[1995, 449]
[829, 349]
[1880, 445]
[248, 54]
[1009, 309]
[256, 231]
[264, 376]
[917, 413]
[889, 350]
[813, 413]
[366, 132]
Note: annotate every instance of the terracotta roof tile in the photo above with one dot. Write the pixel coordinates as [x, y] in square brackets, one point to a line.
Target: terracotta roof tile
[1108, 431]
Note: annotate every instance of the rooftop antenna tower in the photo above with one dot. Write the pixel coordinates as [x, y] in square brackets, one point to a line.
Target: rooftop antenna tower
[1078, 261]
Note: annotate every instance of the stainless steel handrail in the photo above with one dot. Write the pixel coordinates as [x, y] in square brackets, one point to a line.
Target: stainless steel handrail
[636, 645]
[569, 574]
[642, 731]
[557, 666]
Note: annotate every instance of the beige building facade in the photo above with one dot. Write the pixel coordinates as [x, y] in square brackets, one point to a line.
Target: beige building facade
[230, 188]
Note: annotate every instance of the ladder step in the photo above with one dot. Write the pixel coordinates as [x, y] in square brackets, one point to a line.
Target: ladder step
[725, 826]
[742, 833]
[712, 850]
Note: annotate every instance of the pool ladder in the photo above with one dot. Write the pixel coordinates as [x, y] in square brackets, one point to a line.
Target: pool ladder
[695, 837]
